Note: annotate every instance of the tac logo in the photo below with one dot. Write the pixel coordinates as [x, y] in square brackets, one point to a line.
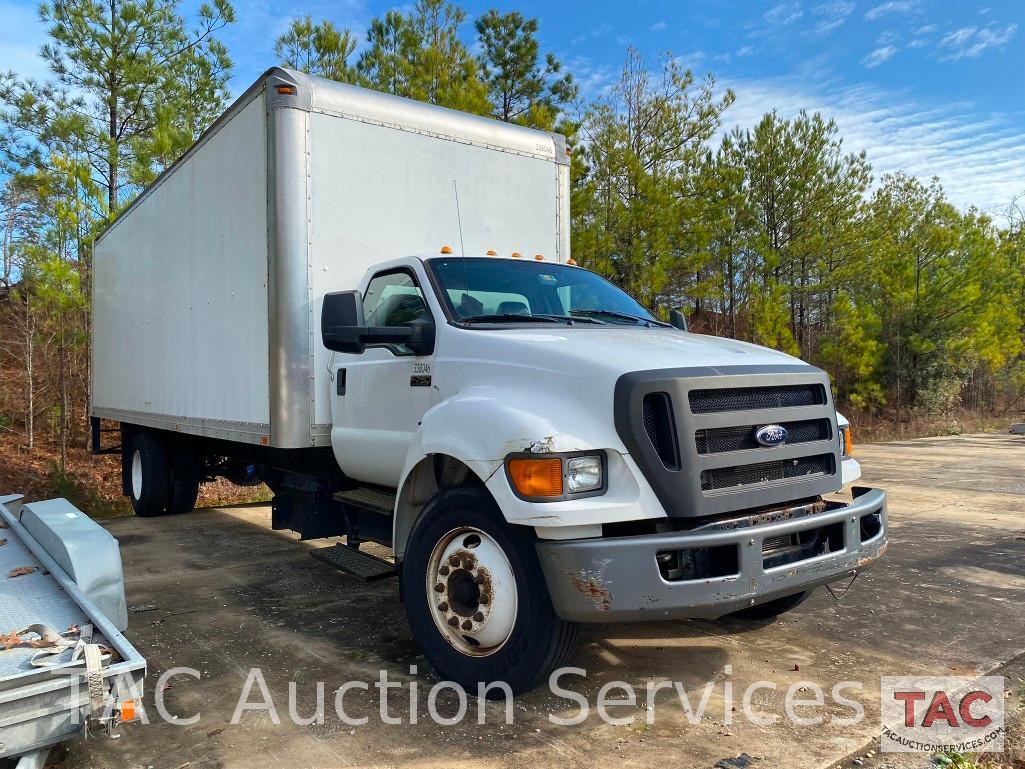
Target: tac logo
[937, 713]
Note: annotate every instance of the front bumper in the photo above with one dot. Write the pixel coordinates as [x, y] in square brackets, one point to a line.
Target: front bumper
[617, 579]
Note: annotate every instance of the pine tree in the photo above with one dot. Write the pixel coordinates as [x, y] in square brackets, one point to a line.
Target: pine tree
[523, 87]
[317, 49]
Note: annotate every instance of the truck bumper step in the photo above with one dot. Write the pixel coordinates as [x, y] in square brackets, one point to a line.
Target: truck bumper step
[364, 566]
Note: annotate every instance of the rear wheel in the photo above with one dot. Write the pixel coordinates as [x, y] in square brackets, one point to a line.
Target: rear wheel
[476, 598]
[772, 609]
[148, 475]
[183, 486]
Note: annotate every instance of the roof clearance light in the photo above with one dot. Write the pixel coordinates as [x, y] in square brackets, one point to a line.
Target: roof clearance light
[288, 90]
[571, 262]
[446, 249]
[491, 252]
[516, 254]
[539, 257]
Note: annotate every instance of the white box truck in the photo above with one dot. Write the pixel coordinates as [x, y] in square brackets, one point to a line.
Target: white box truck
[369, 304]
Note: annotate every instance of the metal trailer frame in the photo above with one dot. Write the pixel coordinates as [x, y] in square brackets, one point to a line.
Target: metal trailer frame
[51, 704]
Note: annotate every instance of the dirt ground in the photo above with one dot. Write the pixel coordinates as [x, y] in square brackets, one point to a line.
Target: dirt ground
[219, 591]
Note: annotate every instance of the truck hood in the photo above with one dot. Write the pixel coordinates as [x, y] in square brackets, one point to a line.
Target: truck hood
[613, 351]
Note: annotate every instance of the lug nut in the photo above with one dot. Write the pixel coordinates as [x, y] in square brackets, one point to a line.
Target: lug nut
[478, 617]
[454, 621]
[467, 625]
[439, 588]
[443, 606]
[479, 579]
[483, 599]
[453, 560]
[443, 571]
[469, 563]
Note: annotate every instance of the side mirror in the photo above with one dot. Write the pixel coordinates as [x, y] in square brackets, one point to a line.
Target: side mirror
[678, 320]
[341, 318]
[342, 327]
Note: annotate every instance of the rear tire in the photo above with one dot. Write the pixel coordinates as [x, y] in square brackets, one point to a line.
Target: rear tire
[184, 481]
[148, 475]
[772, 609]
[476, 598]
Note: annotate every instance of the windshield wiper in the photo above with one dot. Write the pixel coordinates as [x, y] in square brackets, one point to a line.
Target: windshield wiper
[619, 316]
[512, 317]
[536, 317]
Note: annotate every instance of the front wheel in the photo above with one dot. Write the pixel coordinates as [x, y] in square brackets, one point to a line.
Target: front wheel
[476, 598]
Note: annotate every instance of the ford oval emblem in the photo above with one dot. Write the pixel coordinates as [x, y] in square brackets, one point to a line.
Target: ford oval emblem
[772, 435]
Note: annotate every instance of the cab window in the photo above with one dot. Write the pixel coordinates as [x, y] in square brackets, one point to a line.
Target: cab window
[393, 299]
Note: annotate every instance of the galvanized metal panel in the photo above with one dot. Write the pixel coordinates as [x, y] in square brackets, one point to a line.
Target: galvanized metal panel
[381, 193]
[180, 288]
[86, 552]
[42, 706]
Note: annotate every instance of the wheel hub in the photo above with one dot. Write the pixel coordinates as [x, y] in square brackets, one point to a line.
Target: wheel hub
[472, 591]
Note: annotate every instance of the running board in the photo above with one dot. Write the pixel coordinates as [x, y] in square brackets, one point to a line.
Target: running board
[364, 566]
[365, 498]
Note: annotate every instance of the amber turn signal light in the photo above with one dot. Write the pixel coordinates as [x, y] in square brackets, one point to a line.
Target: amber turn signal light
[537, 477]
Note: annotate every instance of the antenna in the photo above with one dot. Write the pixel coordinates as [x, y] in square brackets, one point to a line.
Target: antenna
[459, 219]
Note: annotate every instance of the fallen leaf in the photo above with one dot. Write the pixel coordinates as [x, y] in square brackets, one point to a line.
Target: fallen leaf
[21, 571]
[10, 640]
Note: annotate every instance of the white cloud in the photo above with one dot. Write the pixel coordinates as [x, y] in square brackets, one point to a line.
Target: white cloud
[879, 55]
[746, 50]
[979, 158]
[658, 26]
[784, 13]
[958, 38]
[971, 42]
[893, 6]
[831, 15]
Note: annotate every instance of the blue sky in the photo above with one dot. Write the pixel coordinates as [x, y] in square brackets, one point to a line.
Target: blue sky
[931, 87]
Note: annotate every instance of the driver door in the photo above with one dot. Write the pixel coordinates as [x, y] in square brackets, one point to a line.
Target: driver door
[381, 394]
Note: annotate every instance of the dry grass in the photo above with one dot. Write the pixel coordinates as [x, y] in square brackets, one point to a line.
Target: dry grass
[91, 483]
[876, 428]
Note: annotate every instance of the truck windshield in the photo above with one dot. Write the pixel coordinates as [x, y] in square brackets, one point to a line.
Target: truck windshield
[488, 290]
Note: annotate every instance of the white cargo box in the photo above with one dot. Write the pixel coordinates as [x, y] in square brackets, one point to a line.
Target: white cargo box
[207, 289]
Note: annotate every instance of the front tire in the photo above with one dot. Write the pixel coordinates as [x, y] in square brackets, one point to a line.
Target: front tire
[148, 475]
[476, 599]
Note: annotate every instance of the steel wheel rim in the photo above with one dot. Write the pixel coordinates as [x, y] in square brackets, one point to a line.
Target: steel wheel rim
[471, 591]
[137, 474]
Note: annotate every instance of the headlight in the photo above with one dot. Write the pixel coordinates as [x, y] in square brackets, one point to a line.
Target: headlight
[583, 474]
[551, 477]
